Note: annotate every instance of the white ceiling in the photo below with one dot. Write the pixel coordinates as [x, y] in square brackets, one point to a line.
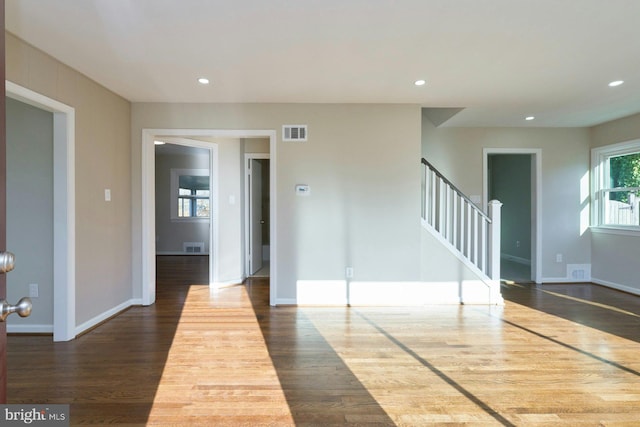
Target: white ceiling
[501, 60]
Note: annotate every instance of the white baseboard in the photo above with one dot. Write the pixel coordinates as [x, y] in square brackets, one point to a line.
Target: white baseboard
[226, 283]
[30, 329]
[180, 253]
[517, 259]
[104, 316]
[558, 280]
[48, 329]
[364, 293]
[572, 276]
[286, 301]
[616, 286]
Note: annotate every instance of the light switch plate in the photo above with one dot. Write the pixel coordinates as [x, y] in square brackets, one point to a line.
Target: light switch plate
[303, 190]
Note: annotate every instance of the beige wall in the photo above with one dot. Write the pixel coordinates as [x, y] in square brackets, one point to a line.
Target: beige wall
[613, 132]
[102, 145]
[615, 256]
[362, 164]
[458, 152]
[231, 214]
[255, 145]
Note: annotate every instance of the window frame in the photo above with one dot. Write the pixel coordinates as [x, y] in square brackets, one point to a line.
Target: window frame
[600, 185]
[175, 186]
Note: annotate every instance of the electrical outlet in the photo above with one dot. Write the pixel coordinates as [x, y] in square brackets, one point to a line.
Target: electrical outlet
[558, 257]
[33, 290]
[349, 272]
[517, 243]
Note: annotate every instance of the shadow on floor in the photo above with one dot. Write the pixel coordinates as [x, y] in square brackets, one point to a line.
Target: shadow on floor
[320, 389]
[607, 310]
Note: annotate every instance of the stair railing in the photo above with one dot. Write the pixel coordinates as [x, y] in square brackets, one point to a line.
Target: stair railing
[470, 231]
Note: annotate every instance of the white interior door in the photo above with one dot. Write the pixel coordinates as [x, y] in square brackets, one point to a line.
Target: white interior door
[255, 212]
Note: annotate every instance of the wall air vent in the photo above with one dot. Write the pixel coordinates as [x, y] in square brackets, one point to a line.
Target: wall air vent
[193, 247]
[297, 133]
[579, 272]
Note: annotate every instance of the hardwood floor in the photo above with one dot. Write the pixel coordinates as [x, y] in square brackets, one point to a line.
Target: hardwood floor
[182, 269]
[553, 355]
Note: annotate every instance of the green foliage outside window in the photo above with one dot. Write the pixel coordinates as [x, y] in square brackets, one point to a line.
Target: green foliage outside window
[624, 171]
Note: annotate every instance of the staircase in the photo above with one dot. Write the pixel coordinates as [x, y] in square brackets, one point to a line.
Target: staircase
[472, 235]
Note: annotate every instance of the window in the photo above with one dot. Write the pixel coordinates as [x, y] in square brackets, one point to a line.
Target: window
[193, 201]
[616, 172]
[190, 194]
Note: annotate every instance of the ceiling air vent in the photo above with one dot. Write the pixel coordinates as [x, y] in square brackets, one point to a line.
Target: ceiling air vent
[294, 133]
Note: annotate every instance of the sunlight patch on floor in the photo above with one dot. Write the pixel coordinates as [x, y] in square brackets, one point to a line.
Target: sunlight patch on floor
[584, 301]
[407, 390]
[218, 369]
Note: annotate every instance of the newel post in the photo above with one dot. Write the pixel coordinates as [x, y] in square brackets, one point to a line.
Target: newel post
[494, 239]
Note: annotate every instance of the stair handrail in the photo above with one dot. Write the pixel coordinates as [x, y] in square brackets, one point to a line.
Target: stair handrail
[457, 220]
[454, 188]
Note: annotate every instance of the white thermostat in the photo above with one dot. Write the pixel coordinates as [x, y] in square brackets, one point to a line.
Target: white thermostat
[302, 190]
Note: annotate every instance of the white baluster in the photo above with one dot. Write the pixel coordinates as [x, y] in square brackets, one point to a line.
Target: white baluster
[469, 231]
[475, 238]
[447, 210]
[462, 236]
[483, 245]
[432, 210]
[454, 220]
[441, 197]
[494, 240]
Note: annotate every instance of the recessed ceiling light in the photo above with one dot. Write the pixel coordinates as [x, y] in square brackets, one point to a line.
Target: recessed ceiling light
[529, 118]
[158, 142]
[203, 81]
[420, 82]
[616, 83]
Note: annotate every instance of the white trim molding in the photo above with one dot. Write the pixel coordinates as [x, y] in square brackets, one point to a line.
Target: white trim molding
[247, 203]
[600, 182]
[29, 329]
[617, 286]
[148, 201]
[536, 252]
[105, 316]
[64, 230]
[616, 231]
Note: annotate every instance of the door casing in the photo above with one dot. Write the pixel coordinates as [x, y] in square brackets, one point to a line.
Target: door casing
[148, 281]
[64, 279]
[536, 202]
[247, 202]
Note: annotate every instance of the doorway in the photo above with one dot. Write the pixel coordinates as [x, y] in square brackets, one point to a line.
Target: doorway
[257, 209]
[512, 176]
[64, 285]
[148, 246]
[183, 183]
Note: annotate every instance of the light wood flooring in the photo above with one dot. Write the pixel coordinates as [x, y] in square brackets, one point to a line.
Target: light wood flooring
[553, 355]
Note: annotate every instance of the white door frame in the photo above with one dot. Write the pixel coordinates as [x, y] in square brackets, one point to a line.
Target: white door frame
[148, 283]
[64, 223]
[536, 225]
[247, 203]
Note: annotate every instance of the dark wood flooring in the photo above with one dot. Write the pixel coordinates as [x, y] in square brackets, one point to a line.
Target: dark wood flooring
[553, 355]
